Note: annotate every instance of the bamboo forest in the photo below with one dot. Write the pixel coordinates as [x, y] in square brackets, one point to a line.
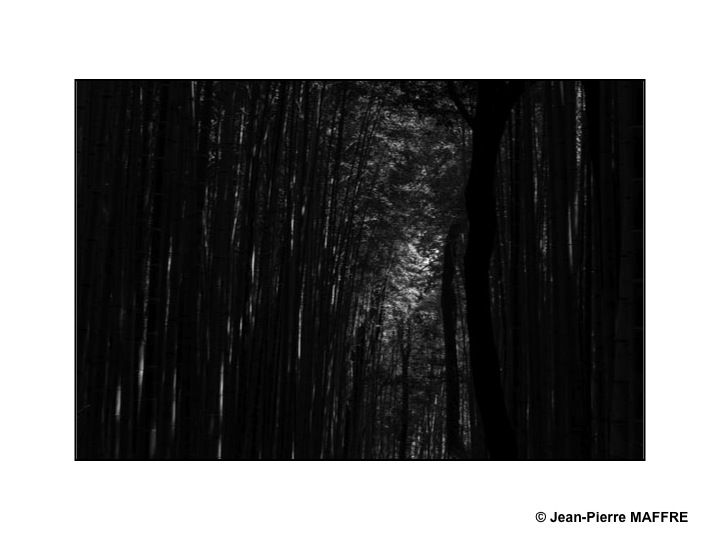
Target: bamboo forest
[359, 269]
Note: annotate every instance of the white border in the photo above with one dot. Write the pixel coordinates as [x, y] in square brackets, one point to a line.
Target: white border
[45, 494]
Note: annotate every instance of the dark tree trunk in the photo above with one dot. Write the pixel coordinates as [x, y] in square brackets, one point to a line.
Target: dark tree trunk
[191, 260]
[449, 310]
[147, 416]
[494, 101]
[405, 340]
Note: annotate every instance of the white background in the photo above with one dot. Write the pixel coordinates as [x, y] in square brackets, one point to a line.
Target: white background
[44, 494]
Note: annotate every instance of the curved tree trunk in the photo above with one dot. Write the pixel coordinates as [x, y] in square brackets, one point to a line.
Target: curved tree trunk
[494, 101]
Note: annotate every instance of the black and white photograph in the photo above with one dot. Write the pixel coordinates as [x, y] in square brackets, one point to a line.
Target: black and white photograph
[360, 269]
